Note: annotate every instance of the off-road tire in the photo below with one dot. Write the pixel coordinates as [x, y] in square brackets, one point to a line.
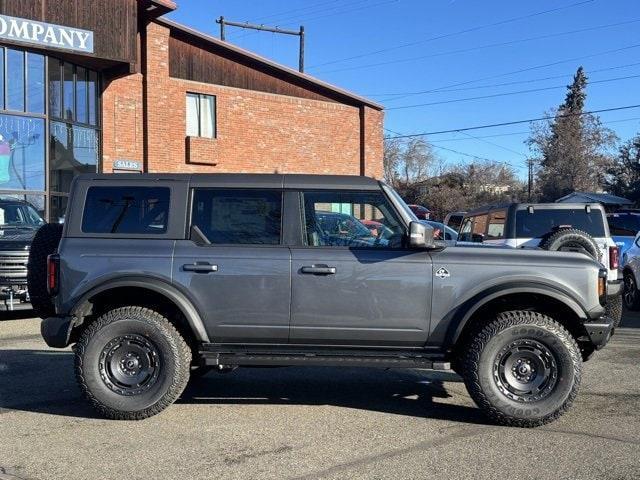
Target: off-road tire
[571, 238]
[630, 293]
[173, 354]
[487, 343]
[45, 242]
[614, 309]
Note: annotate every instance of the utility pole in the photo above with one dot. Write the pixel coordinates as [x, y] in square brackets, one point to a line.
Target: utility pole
[264, 28]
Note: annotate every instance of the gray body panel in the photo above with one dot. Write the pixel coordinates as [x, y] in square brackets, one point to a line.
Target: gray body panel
[376, 297]
[247, 298]
[476, 272]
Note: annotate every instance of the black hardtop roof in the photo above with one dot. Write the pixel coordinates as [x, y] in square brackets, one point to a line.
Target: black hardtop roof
[243, 180]
[523, 206]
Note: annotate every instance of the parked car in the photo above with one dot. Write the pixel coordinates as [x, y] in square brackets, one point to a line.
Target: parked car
[19, 222]
[442, 233]
[421, 213]
[154, 277]
[550, 226]
[453, 220]
[631, 275]
[624, 225]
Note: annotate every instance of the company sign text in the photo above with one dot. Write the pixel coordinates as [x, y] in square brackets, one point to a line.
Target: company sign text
[45, 34]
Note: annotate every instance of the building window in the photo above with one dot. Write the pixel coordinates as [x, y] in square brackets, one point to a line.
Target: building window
[73, 93]
[22, 153]
[73, 150]
[201, 115]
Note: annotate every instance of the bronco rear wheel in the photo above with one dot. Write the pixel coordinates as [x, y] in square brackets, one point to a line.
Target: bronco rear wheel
[522, 369]
[131, 363]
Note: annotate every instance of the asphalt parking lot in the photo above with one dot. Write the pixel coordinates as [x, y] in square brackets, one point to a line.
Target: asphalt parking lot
[310, 423]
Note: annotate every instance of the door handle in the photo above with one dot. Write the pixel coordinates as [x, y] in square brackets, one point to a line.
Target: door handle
[200, 267]
[318, 270]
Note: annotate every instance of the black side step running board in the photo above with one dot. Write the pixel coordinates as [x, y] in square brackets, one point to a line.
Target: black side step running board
[260, 355]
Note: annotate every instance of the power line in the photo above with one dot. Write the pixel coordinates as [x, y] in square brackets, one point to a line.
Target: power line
[515, 122]
[522, 70]
[458, 152]
[452, 34]
[510, 134]
[494, 144]
[503, 84]
[505, 94]
[481, 47]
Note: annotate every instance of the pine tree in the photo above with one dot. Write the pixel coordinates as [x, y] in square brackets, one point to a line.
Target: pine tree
[624, 174]
[572, 149]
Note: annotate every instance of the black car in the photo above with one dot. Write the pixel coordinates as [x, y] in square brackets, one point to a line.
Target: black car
[19, 221]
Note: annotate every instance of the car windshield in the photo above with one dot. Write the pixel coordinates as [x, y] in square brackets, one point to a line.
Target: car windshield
[16, 215]
[542, 221]
[342, 224]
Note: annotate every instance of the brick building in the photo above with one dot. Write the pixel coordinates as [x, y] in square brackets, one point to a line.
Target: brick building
[89, 85]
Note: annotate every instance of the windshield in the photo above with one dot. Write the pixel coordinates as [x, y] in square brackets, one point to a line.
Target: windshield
[17, 215]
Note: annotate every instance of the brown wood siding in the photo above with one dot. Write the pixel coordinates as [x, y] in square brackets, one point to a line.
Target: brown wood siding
[190, 59]
[113, 22]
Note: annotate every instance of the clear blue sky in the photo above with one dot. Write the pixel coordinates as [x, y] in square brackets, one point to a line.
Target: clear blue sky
[459, 62]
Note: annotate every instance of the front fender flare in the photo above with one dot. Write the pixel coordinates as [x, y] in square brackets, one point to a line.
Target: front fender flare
[465, 312]
[185, 305]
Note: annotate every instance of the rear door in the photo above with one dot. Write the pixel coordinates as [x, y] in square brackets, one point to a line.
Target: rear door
[235, 266]
[354, 286]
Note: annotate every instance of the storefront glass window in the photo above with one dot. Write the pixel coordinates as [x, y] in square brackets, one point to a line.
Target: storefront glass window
[35, 83]
[55, 89]
[22, 150]
[57, 208]
[92, 86]
[2, 78]
[15, 80]
[68, 92]
[74, 150]
[81, 95]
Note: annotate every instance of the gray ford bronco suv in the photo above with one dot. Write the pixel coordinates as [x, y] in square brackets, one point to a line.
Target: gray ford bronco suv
[158, 277]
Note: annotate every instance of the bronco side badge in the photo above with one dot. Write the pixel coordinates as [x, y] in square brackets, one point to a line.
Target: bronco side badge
[442, 273]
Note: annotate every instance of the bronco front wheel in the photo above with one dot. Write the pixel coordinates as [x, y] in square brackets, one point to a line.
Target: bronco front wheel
[131, 363]
[522, 369]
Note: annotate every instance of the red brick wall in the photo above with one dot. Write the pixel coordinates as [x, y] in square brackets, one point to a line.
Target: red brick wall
[256, 132]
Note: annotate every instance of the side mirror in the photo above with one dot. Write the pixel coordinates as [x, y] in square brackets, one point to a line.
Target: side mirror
[420, 235]
[477, 238]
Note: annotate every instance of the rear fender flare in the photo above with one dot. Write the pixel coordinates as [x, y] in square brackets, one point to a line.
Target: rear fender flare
[187, 308]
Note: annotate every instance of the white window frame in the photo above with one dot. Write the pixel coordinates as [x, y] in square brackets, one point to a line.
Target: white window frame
[200, 119]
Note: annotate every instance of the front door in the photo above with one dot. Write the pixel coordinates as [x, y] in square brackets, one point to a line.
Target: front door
[353, 282]
[235, 267]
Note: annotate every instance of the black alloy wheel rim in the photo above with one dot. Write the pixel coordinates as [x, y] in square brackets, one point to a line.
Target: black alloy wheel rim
[630, 291]
[525, 370]
[130, 364]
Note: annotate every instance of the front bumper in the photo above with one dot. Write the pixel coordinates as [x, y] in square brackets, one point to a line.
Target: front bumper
[600, 331]
[56, 331]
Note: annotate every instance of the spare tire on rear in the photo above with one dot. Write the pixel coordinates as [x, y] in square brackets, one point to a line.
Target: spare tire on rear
[45, 242]
[571, 240]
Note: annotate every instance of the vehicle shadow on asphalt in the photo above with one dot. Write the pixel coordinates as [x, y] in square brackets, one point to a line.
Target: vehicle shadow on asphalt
[401, 392]
[42, 381]
[21, 314]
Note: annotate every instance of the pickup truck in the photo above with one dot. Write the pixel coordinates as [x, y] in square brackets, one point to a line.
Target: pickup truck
[157, 277]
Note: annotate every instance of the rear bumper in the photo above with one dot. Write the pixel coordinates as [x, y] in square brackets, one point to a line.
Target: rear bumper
[614, 287]
[56, 331]
[600, 331]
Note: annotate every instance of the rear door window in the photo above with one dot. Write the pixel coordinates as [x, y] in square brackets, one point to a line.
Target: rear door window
[126, 210]
[495, 229]
[626, 225]
[542, 221]
[238, 216]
